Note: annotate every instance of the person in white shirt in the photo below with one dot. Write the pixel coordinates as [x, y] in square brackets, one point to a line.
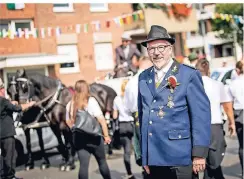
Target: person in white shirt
[86, 144]
[217, 96]
[126, 127]
[236, 91]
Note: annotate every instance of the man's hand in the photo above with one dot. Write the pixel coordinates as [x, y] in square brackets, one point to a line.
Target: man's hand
[199, 164]
[70, 123]
[14, 102]
[232, 129]
[147, 169]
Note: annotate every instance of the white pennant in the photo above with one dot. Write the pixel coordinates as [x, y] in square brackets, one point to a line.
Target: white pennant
[43, 33]
[78, 27]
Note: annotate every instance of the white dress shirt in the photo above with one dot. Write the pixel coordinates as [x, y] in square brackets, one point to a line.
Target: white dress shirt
[126, 51]
[217, 94]
[236, 91]
[159, 74]
[119, 106]
[131, 93]
[93, 108]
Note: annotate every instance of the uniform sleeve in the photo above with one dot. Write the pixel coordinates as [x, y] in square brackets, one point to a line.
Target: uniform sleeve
[9, 106]
[96, 110]
[200, 115]
[139, 103]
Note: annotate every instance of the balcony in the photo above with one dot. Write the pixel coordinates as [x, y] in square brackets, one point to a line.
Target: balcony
[158, 17]
[196, 41]
[19, 46]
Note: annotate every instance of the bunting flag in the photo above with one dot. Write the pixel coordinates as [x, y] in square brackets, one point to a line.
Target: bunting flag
[58, 31]
[107, 23]
[85, 28]
[43, 33]
[49, 31]
[78, 28]
[119, 21]
[26, 33]
[228, 17]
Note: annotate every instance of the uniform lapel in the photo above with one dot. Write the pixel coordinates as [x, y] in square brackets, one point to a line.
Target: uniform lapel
[121, 52]
[151, 81]
[173, 70]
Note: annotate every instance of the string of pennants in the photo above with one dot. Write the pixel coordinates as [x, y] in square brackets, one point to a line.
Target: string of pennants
[119, 21]
[228, 17]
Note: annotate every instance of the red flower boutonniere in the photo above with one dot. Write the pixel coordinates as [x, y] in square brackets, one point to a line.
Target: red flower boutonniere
[172, 82]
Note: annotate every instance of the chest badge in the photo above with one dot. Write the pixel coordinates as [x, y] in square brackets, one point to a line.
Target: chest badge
[170, 103]
[161, 113]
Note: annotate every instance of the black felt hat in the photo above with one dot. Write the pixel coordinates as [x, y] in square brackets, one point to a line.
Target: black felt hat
[158, 33]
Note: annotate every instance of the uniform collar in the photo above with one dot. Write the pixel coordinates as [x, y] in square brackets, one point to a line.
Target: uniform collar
[165, 69]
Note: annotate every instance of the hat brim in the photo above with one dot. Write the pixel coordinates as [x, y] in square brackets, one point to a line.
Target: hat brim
[170, 40]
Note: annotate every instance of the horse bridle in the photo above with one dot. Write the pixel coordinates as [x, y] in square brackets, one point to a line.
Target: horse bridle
[28, 83]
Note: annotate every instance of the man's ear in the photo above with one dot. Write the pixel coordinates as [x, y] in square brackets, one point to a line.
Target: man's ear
[238, 71]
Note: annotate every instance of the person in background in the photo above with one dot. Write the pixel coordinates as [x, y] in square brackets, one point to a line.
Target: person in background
[86, 144]
[126, 128]
[7, 132]
[125, 54]
[217, 96]
[236, 92]
[193, 58]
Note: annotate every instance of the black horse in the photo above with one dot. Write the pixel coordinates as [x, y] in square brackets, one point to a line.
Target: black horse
[51, 97]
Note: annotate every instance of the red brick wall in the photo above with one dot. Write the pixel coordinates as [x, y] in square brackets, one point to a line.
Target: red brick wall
[27, 12]
[80, 15]
[44, 16]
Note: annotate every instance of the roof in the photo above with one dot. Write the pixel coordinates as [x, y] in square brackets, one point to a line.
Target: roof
[3, 57]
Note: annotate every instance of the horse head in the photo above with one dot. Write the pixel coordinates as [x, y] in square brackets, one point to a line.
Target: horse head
[12, 89]
[23, 86]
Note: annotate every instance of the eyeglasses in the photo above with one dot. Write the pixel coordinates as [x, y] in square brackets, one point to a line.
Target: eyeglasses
[160, 48]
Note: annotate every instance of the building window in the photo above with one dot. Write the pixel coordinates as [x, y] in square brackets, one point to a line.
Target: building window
[72, 66]
[104, 56]
[98, 7]
[4, 25]
[227, 50]
[22, 24]
[63, 7]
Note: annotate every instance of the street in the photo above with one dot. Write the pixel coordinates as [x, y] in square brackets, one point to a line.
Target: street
[231, 167]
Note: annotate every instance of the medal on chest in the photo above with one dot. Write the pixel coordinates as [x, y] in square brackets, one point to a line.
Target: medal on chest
[170, 103]
[161, 113]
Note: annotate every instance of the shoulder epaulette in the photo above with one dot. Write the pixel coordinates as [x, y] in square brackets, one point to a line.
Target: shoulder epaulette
[189, 66]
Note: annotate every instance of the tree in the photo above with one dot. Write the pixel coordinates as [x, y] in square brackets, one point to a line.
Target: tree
[228, 28]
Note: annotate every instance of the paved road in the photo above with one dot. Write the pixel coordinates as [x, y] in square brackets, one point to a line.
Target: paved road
[230, 165]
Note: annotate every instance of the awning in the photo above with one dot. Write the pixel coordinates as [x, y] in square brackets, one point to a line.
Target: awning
[33, 60]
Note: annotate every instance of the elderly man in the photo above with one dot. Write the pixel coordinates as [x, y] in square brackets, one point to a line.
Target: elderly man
[7, 133]
[174, 113]
[125, 54]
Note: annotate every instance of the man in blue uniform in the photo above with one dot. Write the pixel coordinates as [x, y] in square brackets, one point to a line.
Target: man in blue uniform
[174, 113]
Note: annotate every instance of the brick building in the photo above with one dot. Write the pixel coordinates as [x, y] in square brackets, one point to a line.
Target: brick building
[69, 56]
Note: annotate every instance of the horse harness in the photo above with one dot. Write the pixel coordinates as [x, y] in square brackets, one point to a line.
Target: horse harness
[53, 99]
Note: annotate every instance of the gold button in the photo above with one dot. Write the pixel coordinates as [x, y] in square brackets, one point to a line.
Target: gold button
[154, 101]
[150, 134]
[179, 136]
[150, 122]
[152, 110]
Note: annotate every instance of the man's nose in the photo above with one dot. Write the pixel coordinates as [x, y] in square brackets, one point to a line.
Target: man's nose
[156, 51]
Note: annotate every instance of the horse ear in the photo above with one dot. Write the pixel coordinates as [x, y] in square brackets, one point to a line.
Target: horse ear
[21, 73]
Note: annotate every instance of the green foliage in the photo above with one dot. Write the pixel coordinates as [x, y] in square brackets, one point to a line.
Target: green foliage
[227, 27]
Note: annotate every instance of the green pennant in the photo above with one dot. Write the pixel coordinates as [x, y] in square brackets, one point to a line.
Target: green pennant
[37, 33]
[135, 17]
